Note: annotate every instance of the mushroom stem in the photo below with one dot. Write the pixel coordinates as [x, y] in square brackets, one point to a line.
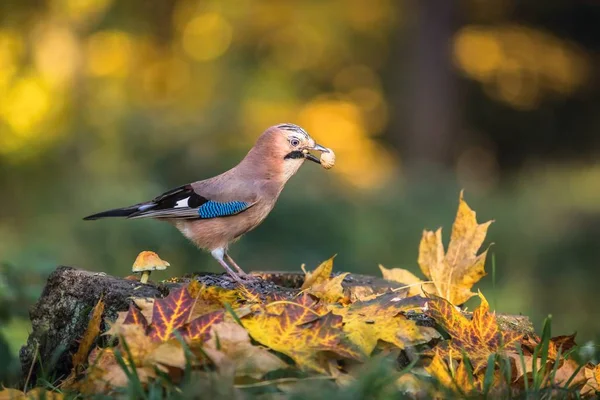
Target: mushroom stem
[145, 276]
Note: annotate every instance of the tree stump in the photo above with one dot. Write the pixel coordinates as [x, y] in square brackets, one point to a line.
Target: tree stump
[60, 317]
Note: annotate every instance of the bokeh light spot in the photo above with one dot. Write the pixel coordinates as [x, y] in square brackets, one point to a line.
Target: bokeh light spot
[361, 161]
[56, 53]
[109, 53]
[207, 37]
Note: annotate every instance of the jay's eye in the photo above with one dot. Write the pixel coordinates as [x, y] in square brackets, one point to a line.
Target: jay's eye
[295, 142]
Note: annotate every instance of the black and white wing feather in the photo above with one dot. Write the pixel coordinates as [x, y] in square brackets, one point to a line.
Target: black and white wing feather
[180, 203]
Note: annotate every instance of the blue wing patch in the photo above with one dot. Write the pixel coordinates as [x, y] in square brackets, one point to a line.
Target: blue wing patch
[214, 209]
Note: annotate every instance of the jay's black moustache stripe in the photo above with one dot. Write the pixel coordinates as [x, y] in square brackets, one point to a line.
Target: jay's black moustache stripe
[293, 155]
[298, 154]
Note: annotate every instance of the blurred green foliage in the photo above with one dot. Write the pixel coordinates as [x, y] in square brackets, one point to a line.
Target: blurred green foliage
[109, 103]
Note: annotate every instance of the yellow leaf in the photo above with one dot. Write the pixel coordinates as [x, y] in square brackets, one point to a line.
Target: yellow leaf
[43, 394]
[441, 371]
[295, 329]
[455, 272]
[320, 283]
[330, 291]
[92, 331]
[34, 394]
[414, 284]
[454, 376]
[382, 318]
[11, 394]
[361, 293]
[319, 275]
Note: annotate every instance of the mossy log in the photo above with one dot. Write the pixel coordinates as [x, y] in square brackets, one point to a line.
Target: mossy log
[60, 316]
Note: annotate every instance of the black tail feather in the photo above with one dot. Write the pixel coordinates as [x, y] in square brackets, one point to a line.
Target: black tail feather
[117, 212]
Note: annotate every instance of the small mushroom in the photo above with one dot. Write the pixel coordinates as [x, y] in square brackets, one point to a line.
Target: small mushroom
[328, 159]
[146, 262]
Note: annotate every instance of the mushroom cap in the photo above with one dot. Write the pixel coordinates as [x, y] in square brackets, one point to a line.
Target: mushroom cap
[149, 261]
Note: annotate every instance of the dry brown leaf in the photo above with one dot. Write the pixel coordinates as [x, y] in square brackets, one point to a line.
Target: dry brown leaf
[568, 370]
[170, 354]
[231, 350]
[520, 372]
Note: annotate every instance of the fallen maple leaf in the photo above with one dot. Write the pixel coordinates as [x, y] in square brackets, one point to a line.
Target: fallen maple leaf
[453, 375]
[592, 385]
[477, 338]
[454, 272]
[559, 345]
[300, 332]
[382, 318]
[230, 349]
[199, 328]
[150, 345]
[569, 371]
[34, 394]
[205, 300]
[170, 313]
[414, 285]
[90, 335]
[319, 276]
[321, 284]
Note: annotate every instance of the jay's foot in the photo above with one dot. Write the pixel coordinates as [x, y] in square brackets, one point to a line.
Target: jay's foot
[244, 278]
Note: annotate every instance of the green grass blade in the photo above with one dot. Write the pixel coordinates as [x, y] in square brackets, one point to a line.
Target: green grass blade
[523, 367]
[488, 379]
[544, 346]
[233, 314]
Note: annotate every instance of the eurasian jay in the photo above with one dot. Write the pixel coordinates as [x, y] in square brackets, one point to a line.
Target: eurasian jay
[215, 212]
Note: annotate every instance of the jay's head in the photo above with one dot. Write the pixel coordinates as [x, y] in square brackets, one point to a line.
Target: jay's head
[294, 143]
[284, 148]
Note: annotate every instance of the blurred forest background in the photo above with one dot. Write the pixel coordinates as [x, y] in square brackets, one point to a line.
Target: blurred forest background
[105, 103]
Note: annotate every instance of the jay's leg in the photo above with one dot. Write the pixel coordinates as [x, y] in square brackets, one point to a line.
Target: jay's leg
[237, 267]
[218, 254]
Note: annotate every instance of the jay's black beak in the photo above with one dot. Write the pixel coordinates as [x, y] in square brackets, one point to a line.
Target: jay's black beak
[313, 158]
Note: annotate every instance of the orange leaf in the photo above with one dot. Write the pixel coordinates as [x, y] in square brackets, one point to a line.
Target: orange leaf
[478, 337]
[563, 343]
[170, 313]
[199, 328]
[92, 331]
